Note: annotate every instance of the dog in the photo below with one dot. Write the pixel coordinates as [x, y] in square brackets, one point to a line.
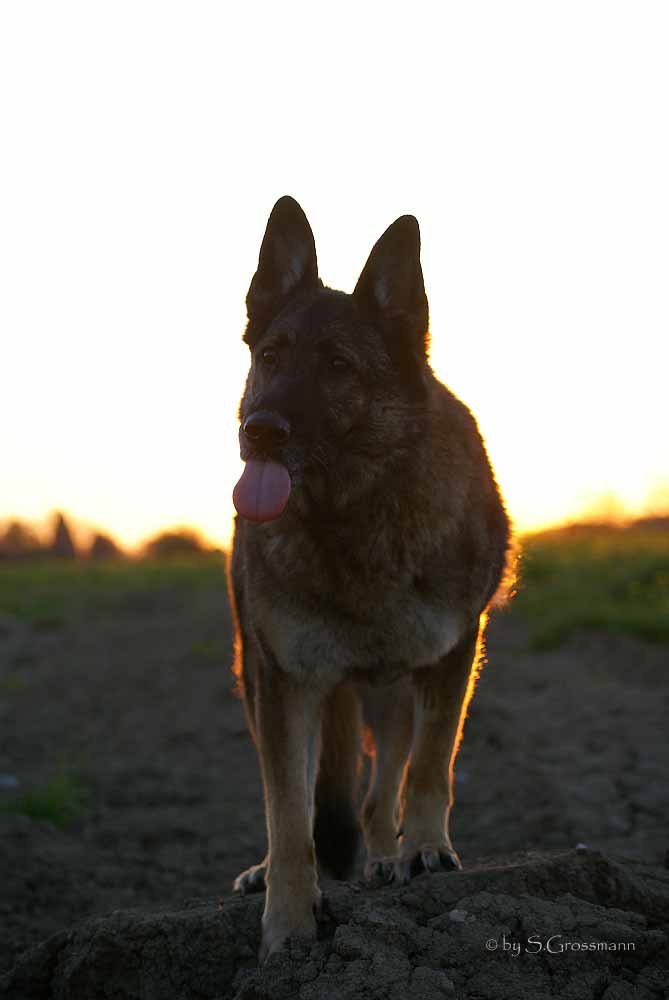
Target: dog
[370, 540]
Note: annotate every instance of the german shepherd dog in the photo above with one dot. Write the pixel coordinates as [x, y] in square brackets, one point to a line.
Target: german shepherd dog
[371, 539]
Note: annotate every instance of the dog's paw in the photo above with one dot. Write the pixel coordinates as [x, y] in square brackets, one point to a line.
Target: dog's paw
[290, 919]
[427, 857]
[413, 860]
[252, 880]
[379, 868]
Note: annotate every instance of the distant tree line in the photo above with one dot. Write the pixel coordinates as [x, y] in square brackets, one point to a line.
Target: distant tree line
[20, 542]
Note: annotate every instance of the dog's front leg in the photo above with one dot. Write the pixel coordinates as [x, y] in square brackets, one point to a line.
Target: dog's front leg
[441, 696]
[288, 714]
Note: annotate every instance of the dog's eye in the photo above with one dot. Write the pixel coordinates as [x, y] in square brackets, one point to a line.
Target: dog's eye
[268, 357]
[339, 364]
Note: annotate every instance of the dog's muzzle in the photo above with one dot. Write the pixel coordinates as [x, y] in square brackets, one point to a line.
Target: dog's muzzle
[266, 429]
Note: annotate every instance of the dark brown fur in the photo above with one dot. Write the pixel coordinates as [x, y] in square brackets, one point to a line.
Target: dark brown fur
[372, 585]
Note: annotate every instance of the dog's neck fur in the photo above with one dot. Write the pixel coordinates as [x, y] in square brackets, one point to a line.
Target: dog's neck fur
[390, 526]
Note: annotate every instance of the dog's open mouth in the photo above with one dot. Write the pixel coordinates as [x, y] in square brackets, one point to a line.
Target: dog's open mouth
[263, 490]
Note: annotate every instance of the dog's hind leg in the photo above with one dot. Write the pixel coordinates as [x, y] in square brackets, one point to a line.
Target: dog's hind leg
[388, 713]
[441, 696]
[336, 830]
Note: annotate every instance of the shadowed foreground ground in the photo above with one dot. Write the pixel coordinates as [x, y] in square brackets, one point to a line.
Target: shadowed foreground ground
[128, 781]
[571, 924]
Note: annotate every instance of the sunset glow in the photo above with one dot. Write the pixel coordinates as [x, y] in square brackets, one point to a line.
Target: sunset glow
[145, 144]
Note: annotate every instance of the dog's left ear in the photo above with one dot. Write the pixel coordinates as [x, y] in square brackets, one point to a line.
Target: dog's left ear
[390, 290]
[287, 263]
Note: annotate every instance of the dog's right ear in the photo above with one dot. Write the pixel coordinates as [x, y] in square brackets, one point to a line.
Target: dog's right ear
[287, 264]
[390, 290]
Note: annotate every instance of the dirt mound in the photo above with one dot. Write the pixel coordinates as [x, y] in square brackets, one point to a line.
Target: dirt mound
[575, 924]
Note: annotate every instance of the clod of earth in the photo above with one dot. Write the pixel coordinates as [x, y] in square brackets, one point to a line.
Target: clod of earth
[522, 925]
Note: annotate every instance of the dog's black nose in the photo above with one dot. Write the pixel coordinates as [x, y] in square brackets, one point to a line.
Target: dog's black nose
[266, 429]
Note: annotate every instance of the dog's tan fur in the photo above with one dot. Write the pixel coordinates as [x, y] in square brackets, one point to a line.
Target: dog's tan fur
[367, 596]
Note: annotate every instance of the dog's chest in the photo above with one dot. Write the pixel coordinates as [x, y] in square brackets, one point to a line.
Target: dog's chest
[400, 632]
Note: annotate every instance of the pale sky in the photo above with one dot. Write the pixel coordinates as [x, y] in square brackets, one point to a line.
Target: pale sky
[144, 144]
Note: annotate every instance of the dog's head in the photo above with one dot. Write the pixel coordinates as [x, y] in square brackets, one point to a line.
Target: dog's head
[337, 382]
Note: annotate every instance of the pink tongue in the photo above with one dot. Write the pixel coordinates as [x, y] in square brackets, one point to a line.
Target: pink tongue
[263, 491]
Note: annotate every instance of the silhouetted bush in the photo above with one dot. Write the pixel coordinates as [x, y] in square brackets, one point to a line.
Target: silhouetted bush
[62, 546]
[20, 542]
[104, 548]
[178, 542]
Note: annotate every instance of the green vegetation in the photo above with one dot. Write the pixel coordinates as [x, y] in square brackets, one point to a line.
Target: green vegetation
[48, 594]
[596, 576]
[60, 801]
[583, 576]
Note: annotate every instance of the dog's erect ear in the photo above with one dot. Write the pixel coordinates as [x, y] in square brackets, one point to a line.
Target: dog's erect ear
[390, 290]
[287, 262]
